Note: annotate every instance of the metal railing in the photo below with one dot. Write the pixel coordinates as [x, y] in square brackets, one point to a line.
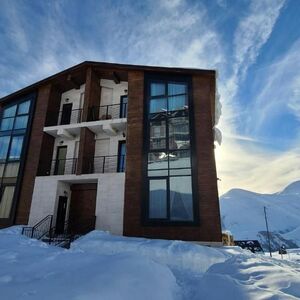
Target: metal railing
[73, 118]
[98, 164]
[108, 164]
[108, 112]
[40, 229]
[95, 113]
[63, 166]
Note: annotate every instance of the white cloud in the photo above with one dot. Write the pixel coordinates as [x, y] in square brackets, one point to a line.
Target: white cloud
[254, 168]
[172, 33]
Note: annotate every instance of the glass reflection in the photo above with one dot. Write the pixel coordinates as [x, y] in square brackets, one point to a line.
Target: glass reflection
[16, 147]
[157, 135]
[158, 198]
[157, 89]
[179, 135]
[24, 108]
[157, 160]
[158, 105]
[180, 159]
[181, 200]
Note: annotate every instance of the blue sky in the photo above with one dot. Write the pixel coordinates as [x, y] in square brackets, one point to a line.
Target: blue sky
[254, 45]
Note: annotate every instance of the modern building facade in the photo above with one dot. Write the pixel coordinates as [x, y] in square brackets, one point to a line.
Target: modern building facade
[123, 148]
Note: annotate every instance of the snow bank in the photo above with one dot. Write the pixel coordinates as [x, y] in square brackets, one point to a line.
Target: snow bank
[105, 267]
[177, 254]
[33, 270]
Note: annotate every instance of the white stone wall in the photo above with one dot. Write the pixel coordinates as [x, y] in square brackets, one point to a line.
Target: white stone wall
[110, 203]
[106, 145]
[109, 200]
[72, 147]
[112, 92]
[76, 97]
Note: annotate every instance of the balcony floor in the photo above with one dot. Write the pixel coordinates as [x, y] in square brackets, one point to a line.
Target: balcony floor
[110, 127]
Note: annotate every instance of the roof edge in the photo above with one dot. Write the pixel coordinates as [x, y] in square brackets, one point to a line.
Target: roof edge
[120, 66]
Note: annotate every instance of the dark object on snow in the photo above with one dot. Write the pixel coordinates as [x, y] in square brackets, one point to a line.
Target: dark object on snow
[282, 250]
[252, 245]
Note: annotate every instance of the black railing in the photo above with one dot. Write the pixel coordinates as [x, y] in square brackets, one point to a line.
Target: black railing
[71, 118]
[40, 229]
[98, 164]
[107, 112]
[63, 118]
[108, 164]
[63, 166]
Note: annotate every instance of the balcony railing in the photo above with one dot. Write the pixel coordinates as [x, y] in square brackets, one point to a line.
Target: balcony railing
[108, 112]
[98, 164]
[96, 113]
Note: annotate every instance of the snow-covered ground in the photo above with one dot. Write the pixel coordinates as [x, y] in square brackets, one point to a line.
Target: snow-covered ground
[101, 266]
[243, 214]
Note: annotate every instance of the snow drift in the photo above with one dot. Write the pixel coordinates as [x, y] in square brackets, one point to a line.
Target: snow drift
[106, 267]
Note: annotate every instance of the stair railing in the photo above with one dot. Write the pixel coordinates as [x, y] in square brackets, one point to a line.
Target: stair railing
[40, 229]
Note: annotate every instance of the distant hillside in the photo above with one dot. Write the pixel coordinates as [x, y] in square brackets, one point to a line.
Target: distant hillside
[242, 214]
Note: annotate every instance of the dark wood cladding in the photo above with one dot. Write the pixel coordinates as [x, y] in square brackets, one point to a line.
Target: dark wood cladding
[209, 228]
[82, 207]
[92, 93]
[46, 155]
[86, 151]
[33, 154]
[53, 107]
[134, 154]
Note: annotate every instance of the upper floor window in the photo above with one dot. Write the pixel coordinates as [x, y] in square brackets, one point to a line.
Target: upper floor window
[169, 183]
[15, 117]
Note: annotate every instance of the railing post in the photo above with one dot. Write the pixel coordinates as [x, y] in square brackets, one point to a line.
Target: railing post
[106, 117]
[103, 167]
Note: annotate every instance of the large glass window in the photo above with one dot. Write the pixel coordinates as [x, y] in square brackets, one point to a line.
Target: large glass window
[169, 168]
[6, 198]
[4, 143]
[16, 147]
[13, 126]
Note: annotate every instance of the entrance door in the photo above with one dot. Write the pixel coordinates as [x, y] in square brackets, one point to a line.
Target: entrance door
[61, 214]
[60, 162]
[122, 156]
[66, 114]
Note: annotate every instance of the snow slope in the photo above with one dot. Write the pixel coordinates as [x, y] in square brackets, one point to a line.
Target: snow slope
[242, 214]
[105, 267]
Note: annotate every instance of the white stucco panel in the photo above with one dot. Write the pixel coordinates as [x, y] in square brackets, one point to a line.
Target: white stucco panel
[110, 203]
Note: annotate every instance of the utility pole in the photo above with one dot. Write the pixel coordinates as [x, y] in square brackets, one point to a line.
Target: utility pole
[268, 234]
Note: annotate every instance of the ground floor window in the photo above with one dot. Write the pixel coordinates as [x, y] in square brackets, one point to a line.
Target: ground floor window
[7, 194]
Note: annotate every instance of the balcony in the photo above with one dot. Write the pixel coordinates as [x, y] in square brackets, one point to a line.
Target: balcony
[96, 113]
[99, 164]
[107, 119]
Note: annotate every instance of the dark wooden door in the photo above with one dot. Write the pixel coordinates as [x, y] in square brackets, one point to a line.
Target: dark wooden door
[61, 214]
[60, 162]
[82, 207]
[66, 114]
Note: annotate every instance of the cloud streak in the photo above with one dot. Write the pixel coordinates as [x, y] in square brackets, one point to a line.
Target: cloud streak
[53, 36]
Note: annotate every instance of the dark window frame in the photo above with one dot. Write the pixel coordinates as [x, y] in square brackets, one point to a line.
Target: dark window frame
[26, 132]
[121, 168]
[123, 112]
[168, 78]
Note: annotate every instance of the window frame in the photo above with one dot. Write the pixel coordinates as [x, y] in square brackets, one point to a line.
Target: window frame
[16, 181]
[168, 78]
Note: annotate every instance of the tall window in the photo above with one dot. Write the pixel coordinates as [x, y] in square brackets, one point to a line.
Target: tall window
[168, 147]
[13, 124]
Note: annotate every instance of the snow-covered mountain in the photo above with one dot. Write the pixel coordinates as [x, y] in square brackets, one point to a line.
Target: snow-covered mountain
[243, 214]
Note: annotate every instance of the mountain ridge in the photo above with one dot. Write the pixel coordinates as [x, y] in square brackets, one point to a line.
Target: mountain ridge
[242, 213]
